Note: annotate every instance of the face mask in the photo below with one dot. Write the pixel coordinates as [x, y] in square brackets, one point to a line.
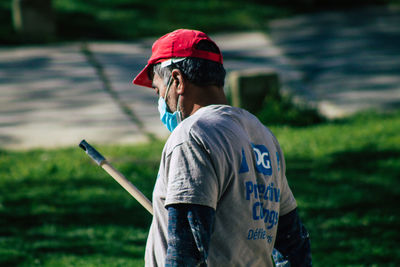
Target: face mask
[170, 120]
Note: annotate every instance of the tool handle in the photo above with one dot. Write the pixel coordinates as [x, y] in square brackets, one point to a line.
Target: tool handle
[132, 190]
[119, 177]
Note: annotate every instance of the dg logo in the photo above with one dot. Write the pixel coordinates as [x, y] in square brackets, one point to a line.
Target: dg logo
[263, 161]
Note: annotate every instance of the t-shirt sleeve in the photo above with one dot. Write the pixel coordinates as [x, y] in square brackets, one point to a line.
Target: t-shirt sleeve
[288, 202]
[191, 178]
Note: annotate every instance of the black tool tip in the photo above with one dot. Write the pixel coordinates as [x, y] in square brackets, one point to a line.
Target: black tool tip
[82, 144]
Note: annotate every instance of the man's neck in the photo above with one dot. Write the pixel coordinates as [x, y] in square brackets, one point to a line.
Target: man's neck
[211, 95]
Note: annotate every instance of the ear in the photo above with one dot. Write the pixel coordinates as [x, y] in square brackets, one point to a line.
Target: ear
[179, 81]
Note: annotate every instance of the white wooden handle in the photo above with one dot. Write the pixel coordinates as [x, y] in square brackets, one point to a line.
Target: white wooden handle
[120, 178]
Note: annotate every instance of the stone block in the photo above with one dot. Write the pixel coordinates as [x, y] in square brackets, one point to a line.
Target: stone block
[248, 88]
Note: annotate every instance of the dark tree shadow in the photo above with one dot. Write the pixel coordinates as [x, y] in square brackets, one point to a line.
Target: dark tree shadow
[349, 202]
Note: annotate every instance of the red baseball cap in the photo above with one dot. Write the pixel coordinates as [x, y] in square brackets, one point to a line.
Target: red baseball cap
[177, 44]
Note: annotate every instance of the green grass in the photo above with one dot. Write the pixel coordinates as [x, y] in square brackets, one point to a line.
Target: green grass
[59, 209]
[345, 176]
[282, 110]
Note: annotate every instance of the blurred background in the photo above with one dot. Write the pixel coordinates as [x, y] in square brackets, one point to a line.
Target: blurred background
[323, 75]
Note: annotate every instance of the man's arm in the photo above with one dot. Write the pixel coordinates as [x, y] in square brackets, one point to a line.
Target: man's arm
[189, 230]
[292, 240]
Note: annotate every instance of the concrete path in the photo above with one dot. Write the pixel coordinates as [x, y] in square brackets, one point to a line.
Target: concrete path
[345, 61]
[57, 95]
[51, 96]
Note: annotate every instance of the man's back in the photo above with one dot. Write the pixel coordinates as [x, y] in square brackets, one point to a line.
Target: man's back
[224, 158]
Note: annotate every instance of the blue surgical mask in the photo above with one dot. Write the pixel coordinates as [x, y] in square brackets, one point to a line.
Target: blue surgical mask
[170, 120]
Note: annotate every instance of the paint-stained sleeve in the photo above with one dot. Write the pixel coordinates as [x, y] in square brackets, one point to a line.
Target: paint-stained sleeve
[189, 233]
[293, 240]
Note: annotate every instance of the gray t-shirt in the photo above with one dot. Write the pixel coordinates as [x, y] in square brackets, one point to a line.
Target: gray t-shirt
[224, 158]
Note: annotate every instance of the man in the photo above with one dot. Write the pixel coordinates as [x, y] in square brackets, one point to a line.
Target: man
[221, 188]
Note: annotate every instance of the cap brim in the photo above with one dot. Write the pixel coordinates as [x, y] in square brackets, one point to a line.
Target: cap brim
[142, 78]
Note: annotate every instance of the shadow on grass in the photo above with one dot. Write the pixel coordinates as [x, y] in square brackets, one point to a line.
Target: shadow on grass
[83, 26]
[349, 203]
[86, 215]
[103, 210]
[347, 199]
[7, 34]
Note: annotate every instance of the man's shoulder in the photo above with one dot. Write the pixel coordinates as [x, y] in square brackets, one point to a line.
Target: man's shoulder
[212, 124]
[217, 115]
[201, 125]
[215, 120]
